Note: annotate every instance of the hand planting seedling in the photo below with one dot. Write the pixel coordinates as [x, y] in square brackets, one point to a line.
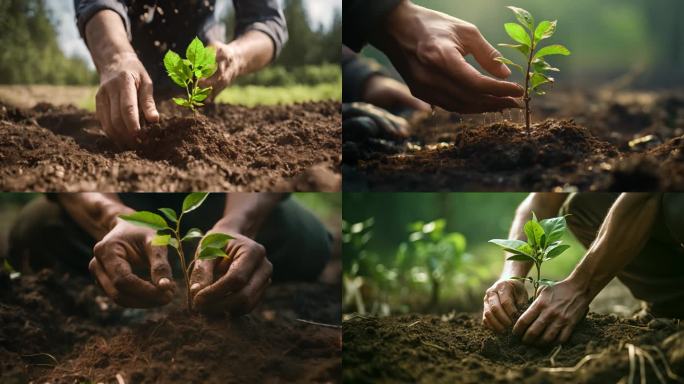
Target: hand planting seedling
[528, 37]
[211, 247]
[543, 244]
[200, 63]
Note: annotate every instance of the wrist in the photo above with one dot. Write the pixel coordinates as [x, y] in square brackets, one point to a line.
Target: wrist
[235, 225]
[397, 26]
[113, 62]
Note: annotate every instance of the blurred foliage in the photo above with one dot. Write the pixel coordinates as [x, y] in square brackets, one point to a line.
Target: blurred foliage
[641, 40]
[395, 244]
[252, 95]
[282, 76]
[327, 206]
[30, 53]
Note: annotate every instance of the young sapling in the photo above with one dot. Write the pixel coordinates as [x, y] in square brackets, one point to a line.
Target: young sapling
[543, 244]
[168, 230]
[200, 63]
[528, 37]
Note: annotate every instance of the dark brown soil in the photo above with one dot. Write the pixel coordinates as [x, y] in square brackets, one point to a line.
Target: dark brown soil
[226, 148]
[58, 329]
[580, 142]
[457, 349]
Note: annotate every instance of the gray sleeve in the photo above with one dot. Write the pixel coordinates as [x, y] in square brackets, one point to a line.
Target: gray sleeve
[85, 9]
[360, 16]
[262, 15]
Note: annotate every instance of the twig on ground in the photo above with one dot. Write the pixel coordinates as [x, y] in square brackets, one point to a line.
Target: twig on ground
[632, 365]
[429, 344]
[320, 324]
[577, 366]
[666, 363]
[554, 353]
[414, 323]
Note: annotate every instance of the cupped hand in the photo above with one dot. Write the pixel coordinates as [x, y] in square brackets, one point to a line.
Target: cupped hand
[228, 67]
[553, 315]
[388, 93]
[125, 92]
[428, 48]
[127, 247]
[501, 302]
[234, 284]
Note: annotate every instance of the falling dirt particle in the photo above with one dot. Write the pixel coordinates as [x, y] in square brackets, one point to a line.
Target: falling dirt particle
[156, 43]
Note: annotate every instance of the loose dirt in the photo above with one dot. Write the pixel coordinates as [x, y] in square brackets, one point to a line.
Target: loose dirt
[59, 329]
[629, 141]
[457, 349]
[226, 148]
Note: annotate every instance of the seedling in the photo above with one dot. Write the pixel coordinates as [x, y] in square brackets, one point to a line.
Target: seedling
[211, 247]
[528, 36]
[543, 244]
[200, 63]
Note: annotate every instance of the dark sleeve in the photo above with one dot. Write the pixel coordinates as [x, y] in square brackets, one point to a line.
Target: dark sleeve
[262, 15]
[356, 71]
[85, 9]
[360, 16]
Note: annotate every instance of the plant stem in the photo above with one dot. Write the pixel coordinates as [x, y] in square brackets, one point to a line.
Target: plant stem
[181, 256]
[187, 91]
[536, 282]
[526, 97]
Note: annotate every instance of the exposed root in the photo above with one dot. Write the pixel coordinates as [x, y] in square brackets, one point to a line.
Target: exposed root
[414, 323]
[320, 324]
[577, 366]
[429, 344]
[554, 353]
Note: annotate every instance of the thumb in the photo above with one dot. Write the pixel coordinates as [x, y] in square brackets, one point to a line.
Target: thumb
[160, 269]
[146, 97]
[485, 54]
[202, 276]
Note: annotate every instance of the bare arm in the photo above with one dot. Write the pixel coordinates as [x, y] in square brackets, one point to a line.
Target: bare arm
[623, 234]
[96, 213]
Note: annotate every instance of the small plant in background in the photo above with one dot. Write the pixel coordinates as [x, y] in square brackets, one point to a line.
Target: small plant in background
[200, 63]
[432, 252]
[528, 36]
[543, 244]
[211, 247]
[9, 270]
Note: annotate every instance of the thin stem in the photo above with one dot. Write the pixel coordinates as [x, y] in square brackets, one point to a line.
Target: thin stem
[526, 97]
[187, 91]
[181, 256]
[536, 282]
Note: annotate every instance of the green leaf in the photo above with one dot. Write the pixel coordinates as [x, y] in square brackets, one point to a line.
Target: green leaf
[517, 247]
[201, 94]
[524, 17]
[555, 49]
[170, 214]
[538, 79]
[146, 219]
[182, 102]
[171, 61]
[506, 61]
[161, 240]
[554, 228]
[534, 233]
[193, 201]
[524, 49]
[211, 253]
[518, 33]
[544, 30]
[547, 282]
[195, 51]
[539, 65]
[215, 240]
[192, 233]
[521, 257]
[555, 251]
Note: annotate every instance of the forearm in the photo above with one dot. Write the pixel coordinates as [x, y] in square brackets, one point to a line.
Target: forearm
[622, 236]
[544, 205]
[107, 39]
[246, 212]
[96, 213]
[253, 50]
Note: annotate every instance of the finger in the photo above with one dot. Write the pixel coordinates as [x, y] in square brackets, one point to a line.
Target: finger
[202, 276]
[499, 312]
[552, 332]
[491, 320]
[457, 99]
[238, 275]
[507, 303]
[102, 111]
[484, 53]
[160, 269]
[526, 319]
[465, 74]
[565, 334]
[535, 330]
[146, 99]
[248, 297]
[102, 279]
[118, 128]
[413, 102]
[128, 100]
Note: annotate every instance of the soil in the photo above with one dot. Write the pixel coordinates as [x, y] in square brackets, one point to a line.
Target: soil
[456, 348]
[58, 328]
[604, 141]
[225, 147]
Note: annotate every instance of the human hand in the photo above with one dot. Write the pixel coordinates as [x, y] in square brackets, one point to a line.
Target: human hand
[235, 284]
[386, 92]
[361, 121]
[125, 91]
[553, 315]
[428, 48]
[501, 302]
[229, 64]
[126, 247]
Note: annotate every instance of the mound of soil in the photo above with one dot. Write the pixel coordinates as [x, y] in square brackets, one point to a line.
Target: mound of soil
[624, 142]
[58, 329]
[225, 148]
[457, 349]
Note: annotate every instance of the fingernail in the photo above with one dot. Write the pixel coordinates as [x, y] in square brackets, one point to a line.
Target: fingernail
[194, 286]
[164, 281]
